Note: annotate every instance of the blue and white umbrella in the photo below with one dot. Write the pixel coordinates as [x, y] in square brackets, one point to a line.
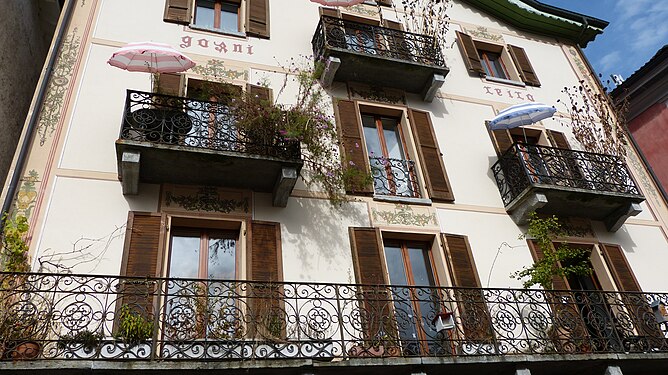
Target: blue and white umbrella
[520, 115]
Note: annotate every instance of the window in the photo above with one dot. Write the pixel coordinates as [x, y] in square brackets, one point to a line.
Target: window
[217, 15]
[249, 17]
[493, 61]
[392, 172]
[214, 127]
[493, 65]
[377, 141]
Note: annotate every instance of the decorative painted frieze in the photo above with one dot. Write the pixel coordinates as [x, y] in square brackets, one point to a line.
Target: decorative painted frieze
[206, 199]
[217, 69]
[482, 32]
[27, 195]
[403, 214]
[376, 94]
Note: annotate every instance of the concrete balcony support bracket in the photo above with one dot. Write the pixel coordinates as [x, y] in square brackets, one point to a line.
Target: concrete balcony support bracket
[618, 218]
[284, 183]
[130, 172]
[431, 88]
[533, 202]
[331, 66]
[613, 370]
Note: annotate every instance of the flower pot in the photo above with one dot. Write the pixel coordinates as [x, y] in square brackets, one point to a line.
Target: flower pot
[22, 350]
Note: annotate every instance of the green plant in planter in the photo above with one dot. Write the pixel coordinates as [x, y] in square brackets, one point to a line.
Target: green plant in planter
[87, 339]
[559, 260]
[133, 328]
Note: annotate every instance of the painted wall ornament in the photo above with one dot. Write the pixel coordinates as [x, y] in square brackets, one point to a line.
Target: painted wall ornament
[217, 69]
[208, 199]
[483, 33]
[376, 93]
[403, 214]
[27, 195]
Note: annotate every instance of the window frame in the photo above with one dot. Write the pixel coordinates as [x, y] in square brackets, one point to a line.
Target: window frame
[217, 17]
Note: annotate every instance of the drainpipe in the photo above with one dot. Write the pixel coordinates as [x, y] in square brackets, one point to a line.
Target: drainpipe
[65, 17]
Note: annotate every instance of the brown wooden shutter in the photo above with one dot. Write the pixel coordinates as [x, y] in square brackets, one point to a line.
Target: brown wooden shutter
[502, 140]
[387, 3]
[569, 332]
[572, 171]
[558, 282]
[262, 93]
[470, 53]
[377, 314]
[352, 144]
[523, 65]
[169, 84]
[331, 12]
[267, 316]
[473, 311]
[265, 255]
[636, 305]
[177, 11]
[257, 20]
[433, 168]
[142, 256]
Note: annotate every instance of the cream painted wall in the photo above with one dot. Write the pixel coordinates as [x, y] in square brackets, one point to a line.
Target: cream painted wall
[97, 113]
[487, 234]
[94, 213]
[314, 236]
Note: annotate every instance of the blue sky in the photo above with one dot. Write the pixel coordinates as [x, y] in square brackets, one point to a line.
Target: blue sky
[638, 28]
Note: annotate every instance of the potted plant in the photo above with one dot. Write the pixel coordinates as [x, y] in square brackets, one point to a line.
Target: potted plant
[81, 343]
[20, 335]
[134, 333]
[383, 345]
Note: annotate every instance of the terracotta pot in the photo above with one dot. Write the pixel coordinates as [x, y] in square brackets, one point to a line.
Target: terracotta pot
[26, 350]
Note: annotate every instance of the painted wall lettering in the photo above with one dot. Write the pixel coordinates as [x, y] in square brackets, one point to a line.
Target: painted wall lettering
[217, 44]
[489, 90]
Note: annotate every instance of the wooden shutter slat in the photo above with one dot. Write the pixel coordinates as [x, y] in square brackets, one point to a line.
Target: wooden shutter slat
[352, 144]
[177, 11]
[331, 12]
[258, 18]
[394, 25]
[558, 282]
[433, 168]
[169, 84]
[470, 53]
[523, 64]
[387, 3]
[558, 139]
[620, 268]
[473, 312]
[502, 140]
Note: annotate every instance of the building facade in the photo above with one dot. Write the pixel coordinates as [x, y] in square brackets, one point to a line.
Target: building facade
[165, 236]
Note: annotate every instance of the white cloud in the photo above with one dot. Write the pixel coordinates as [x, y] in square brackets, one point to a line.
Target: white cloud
[610, 61]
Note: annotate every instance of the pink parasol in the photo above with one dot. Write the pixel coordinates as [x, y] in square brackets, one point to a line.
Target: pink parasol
[150, 57]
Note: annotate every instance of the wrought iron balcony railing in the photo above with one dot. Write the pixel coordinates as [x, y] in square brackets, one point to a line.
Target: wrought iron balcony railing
[178, 121]
[524, 165]
[356, 37]
[395, 177]
[56, 316]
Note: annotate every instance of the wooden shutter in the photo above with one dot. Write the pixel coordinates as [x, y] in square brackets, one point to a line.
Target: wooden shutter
[523, 65]
[257, 20]
[376, 310]
[387, 3]
[352, 144]
[265, 255]
[433, 168]
[262, 93]
[177, 11]
[470, 53]
[144, 239]
[267, 316]
[502, 140]
[571, 171]
[568, 332]
[473, 312]
[169, 84]
[558, 139]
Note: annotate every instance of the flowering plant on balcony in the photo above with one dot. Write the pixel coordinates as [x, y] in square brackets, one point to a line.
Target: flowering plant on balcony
[308, 123]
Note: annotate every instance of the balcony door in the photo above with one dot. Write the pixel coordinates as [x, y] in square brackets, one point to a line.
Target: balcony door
[214, 127]
[414, 295]
[393, 173]
[198, 304]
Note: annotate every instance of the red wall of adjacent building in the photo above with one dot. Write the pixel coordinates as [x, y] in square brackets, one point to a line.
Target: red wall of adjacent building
[650, 131]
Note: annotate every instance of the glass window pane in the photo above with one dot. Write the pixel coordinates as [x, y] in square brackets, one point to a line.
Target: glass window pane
[204, 14]
[420, 266]
[184, 260]
[395, 265]
[371, 137]
[229, 17]
[222, 258]
[392, 139]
